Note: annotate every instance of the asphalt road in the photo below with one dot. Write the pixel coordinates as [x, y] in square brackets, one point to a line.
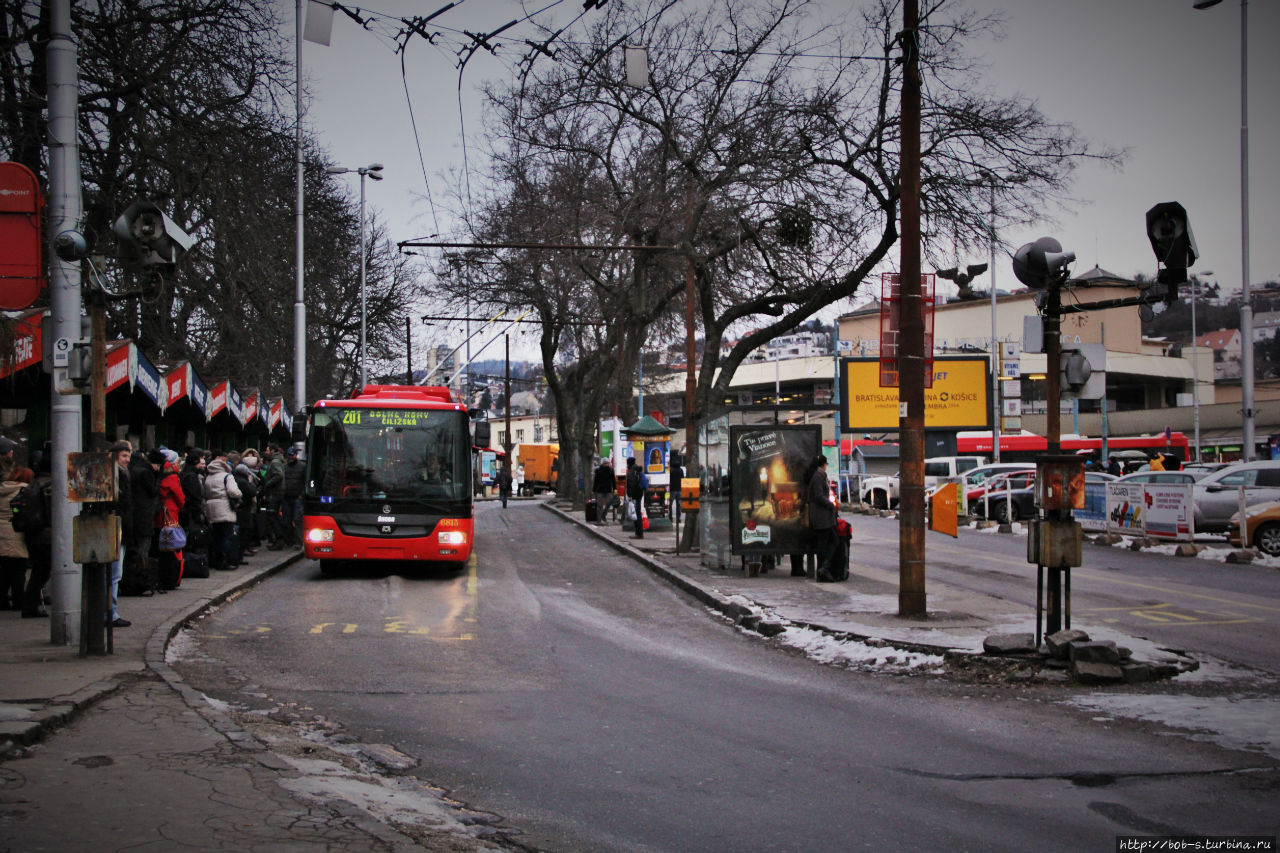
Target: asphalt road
[1229, 611]
[593, 707]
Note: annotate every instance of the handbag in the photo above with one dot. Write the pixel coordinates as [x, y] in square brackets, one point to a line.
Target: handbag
[172, 536]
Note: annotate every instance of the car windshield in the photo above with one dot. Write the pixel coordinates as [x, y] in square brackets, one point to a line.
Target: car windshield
[385, 454]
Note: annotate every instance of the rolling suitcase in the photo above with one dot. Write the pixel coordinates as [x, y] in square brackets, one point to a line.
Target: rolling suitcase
[195, 564]
[593, 510]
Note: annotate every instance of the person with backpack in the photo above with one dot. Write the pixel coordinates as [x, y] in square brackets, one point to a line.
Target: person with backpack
[13, 549]
[35, 504]
[637, 484]
[222, 498]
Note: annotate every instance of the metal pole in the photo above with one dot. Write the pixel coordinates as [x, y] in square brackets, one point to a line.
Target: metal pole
[1195, 374]
[995, 347]
[364, 372]
[1246, 309]
[65, 211]
[911, 562]
[299, 307]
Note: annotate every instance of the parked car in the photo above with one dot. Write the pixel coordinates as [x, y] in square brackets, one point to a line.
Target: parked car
[1020, 504]
[1204, 469]
[1217, 496]
[1002, 481]
[882, 492]
[1161, 477]
[1264, 528]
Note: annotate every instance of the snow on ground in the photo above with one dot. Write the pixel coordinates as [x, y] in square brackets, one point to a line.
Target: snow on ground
[825, 648]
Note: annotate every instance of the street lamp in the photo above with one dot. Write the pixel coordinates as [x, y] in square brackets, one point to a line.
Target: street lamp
[1195, 372]
[374, 170]
[991, 180]
[1246, 306]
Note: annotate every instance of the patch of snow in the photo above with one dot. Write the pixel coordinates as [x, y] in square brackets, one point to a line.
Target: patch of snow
[825, 648]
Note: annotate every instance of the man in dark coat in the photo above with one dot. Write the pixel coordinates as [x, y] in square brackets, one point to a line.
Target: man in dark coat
[822, 516]
[604, 485]
[145, 489]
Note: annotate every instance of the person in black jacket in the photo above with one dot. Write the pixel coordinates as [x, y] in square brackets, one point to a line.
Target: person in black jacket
[144, 484]
[295, 474]
[822, 516]
[604, 485]
[192, 480]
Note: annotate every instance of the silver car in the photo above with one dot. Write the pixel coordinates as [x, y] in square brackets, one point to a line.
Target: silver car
[1217, 496]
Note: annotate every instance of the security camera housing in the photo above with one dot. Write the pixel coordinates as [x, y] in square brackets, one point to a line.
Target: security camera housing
[149, 237]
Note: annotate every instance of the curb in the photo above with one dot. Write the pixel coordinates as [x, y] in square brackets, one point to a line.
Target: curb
[66, 709]
[739, 614]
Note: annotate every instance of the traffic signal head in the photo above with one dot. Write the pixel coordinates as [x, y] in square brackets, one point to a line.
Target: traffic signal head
[150, 238]
[1169, 231]
[1042, 263]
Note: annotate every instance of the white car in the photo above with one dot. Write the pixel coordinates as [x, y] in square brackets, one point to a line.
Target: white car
[1217, 496]
[882, 492]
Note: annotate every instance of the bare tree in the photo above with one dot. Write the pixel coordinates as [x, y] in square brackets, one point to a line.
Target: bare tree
[766, 149]
[189, 103]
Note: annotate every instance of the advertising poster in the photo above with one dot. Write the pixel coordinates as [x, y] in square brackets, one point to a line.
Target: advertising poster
[956, 400]
[767, 466]
[1162, 510]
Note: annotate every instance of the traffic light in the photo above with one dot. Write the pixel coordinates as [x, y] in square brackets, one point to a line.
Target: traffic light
[1043, 263]
[149, 238]
[1169, 231]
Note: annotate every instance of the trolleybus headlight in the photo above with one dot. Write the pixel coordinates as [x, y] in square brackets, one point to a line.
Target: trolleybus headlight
[320, 534]
[452, 537]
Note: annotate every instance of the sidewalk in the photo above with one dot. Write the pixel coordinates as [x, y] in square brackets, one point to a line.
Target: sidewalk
[116, 752]
[864, 607]
[44, 684]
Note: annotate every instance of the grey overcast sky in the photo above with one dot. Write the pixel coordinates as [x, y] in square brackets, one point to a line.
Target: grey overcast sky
[1154, 76]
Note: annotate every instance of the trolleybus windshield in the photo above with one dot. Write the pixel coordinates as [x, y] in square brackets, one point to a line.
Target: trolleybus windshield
[418, 455]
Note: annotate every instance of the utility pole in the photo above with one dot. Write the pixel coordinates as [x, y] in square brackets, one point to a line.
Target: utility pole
[65, 211]
[911, 564]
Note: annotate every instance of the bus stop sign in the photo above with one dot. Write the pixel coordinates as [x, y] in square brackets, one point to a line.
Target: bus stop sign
[21, 248]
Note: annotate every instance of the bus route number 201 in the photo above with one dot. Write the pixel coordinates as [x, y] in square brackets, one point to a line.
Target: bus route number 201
[351, 417]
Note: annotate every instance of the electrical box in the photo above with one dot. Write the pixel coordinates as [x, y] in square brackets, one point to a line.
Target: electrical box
[95, 538]
[1060, 482]
[1055, 542]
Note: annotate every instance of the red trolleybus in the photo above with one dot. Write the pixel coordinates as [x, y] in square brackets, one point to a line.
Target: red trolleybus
[388, 477]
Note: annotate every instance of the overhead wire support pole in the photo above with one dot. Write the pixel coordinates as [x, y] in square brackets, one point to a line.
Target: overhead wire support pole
[911, 550]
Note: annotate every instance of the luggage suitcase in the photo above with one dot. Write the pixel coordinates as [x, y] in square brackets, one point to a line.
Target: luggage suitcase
[138, 574]
[199, 535]
[195, 564]
[593, 510]
[169, 570]
[838, 563]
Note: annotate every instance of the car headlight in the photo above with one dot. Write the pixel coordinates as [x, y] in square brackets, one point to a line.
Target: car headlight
[320, 534]
[451, 537]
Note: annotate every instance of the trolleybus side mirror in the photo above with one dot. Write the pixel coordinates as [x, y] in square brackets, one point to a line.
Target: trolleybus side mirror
[298, 433]
[482, 434]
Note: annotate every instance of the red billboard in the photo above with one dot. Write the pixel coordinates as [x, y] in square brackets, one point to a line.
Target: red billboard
[21, 247]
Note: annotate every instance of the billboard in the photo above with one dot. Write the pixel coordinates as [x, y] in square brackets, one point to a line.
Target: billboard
[959, 399]
[767, 465]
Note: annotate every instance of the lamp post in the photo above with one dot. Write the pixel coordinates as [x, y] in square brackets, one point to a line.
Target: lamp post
[373, 170]
[1246, 306]
[990, 180]
[1195, 370]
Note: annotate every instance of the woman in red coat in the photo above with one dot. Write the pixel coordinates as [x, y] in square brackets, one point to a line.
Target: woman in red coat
[168, 506]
